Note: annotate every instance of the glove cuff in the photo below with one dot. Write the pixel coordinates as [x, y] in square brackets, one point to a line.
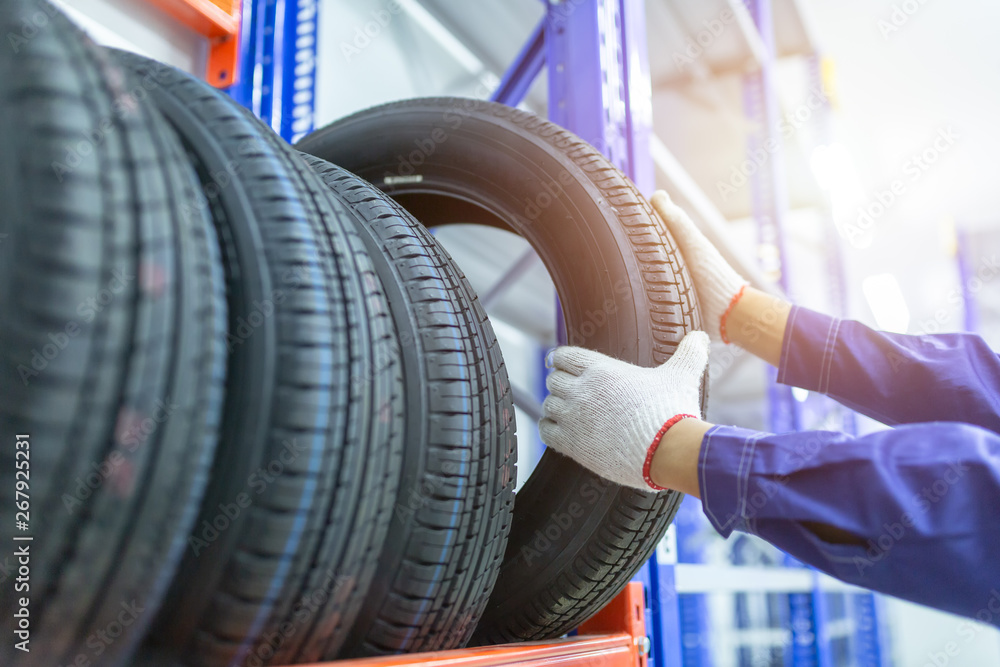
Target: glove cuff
[655, 445]
[725, 314]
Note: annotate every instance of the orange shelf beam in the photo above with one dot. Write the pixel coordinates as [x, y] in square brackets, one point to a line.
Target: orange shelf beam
[615, 637]
[600, 651]
[219, 21]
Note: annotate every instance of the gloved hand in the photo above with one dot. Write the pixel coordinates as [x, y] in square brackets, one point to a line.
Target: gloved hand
[609, 415]
[719, 287]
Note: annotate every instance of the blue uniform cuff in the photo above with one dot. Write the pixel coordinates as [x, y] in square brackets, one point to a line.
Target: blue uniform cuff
[724, 466]
[807, 351]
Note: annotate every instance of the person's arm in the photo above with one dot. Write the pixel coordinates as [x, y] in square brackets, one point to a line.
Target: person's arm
[894, 378]
[913, 512]
[757, 324]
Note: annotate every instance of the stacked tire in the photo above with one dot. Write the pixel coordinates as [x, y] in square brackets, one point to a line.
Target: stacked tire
[251, 411]
[575, 538]
[112, 355]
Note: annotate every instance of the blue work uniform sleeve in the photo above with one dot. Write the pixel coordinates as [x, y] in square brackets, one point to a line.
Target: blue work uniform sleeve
[894, 378]
[923, 502]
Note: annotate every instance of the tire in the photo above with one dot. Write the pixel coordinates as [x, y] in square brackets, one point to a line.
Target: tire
[122, 298]
[451, 522]
[308, 462]
[576, 539]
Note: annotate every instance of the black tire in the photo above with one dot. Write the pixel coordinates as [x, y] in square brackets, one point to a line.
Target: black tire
[98, 267]
[444, 551]
[576, 539]
[284, 573]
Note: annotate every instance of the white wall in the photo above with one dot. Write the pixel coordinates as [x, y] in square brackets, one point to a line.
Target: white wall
[139, 27]
[923, 637]
[376, 51]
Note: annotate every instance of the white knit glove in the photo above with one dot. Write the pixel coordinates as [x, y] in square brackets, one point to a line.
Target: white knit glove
[718, 286]
[609, 415]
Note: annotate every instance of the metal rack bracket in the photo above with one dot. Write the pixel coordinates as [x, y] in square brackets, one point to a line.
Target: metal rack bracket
[219, 21]
[615, 637]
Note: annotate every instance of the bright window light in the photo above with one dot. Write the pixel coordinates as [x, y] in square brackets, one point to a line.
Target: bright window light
[836, 173]
[834, 168]
[885, 298]
[799, 394]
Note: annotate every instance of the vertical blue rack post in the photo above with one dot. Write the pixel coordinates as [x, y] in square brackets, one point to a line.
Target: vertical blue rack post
[599, 88]
[298, 100]
[599, 83]
[277, 78]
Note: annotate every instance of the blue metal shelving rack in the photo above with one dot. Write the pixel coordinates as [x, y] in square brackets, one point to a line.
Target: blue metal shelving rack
[277, 66]
[599, 87]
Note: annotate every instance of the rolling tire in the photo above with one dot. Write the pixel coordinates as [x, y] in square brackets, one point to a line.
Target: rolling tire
[309, 455]
[450, 525]
[122, 299]
[576, 539]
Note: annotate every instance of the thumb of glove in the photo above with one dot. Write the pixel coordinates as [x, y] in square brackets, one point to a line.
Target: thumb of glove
[683, 372]
[677, 220]
[691, 357]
